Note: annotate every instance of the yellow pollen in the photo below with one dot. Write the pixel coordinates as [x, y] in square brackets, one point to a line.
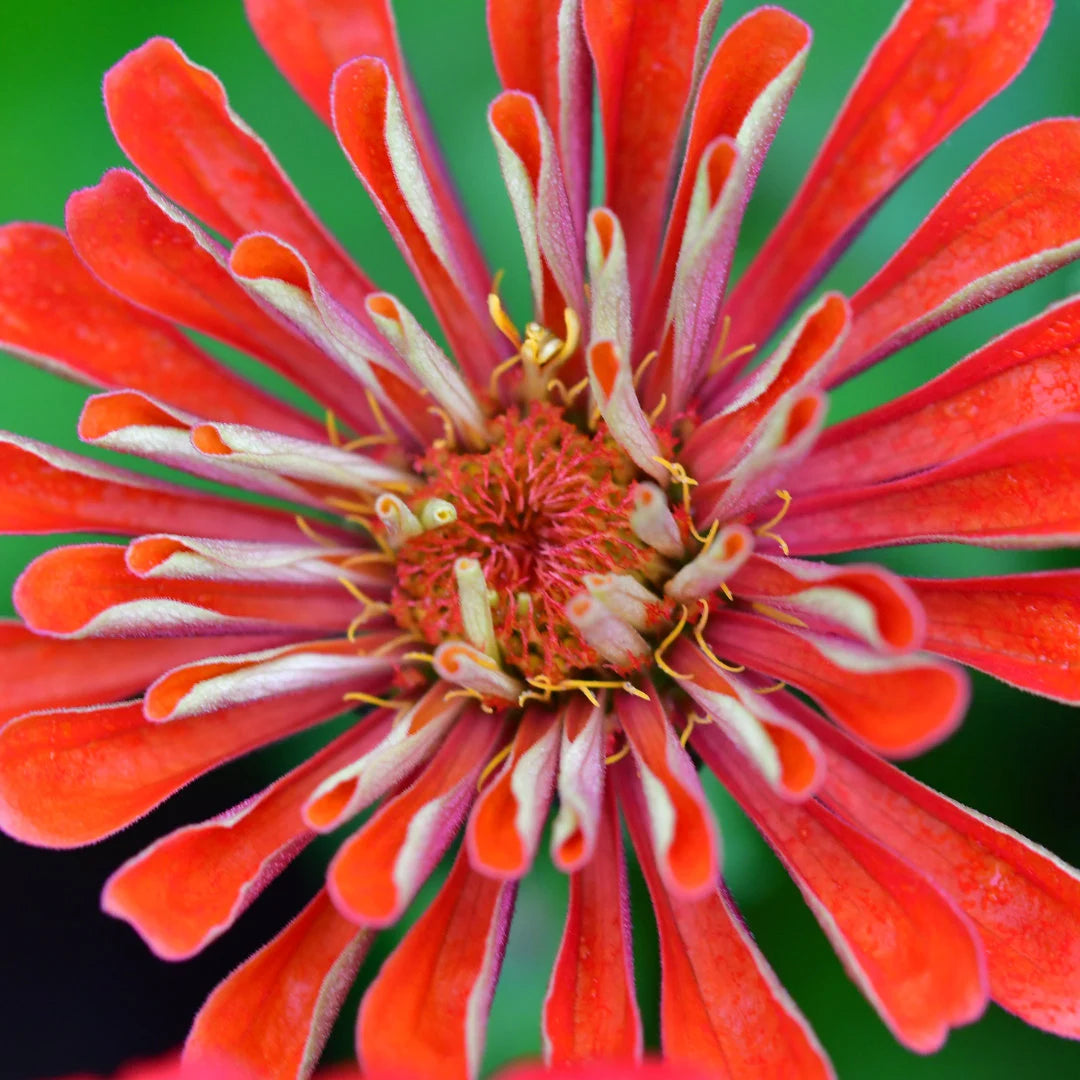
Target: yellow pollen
[499, 317]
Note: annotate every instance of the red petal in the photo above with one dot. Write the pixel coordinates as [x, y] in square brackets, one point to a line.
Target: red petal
[968, 50]
[378, 870]
[426, 1011]
[1023, 629]
[72, 776]
[173, 120]
[150, 253]
[310, 39]
[1024, 901]
[581, 785]
[1009, 220]
[375, 135]
[1019, 490]
[87, 590]
[864, 602]
[49, 491]
[1031, 373]
[753, 70]
[539, 48]
[506, 822]
[646, 53]
[682, 826]
[896, 704]
[275, 1011]
[56, 314]
[721, 1006]
[590, 1012]
[190, 886]
[40, 673]
[912, 953]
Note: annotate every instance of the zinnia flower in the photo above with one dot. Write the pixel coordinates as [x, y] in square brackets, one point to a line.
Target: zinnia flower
[570, 557]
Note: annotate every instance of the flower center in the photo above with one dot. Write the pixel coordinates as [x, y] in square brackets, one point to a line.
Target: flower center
[517, 530]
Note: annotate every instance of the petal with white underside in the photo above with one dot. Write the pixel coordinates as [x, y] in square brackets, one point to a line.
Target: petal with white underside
[681, 823]
[580, 783]
[377, 871]
[189, 887]
[505, 823]
[273, 1014]
[47, 490]
[427, 1009]
[590, 1012]
[722, 1008]
[1009, 220]
[910, 950]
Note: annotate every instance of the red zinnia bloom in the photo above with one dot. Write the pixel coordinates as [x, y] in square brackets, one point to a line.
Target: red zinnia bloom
[576, 563]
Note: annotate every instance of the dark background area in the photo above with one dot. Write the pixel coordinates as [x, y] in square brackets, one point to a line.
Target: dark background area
[79, 991]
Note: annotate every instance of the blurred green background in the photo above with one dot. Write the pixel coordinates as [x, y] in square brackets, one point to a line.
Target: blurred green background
[79, 991]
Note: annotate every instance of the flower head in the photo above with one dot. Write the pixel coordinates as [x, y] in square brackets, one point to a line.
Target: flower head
[573, 556]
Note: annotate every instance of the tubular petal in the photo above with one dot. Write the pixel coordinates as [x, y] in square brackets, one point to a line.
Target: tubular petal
[377, 871]
[190, 886]
[236, 679]
[173, 120]
[69, 777]
[647, 55]
[580, 784]
[534, 180]
[151, 253]
[968, 50]
[743, 95]
[55, 314]
[898, 705]
[39, 673]
[721, 1008]
[1018, 490]
[87, 590]
[51, 491]
[539, 48]
[505, 824]
[1023, 629]
[426, 1011]
[373, 130]
[681, 824]
[1030, 373]
[275, 1011]
[1024, 901]
[908, 948]
[590, 1012]
[864, 602]
[1009, 220]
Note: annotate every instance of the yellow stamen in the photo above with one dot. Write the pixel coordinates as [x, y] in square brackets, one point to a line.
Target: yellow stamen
[380, 416]
[567, 395]
[692, 721]
[500, 371]
[349, 506]
[648, 359]
[779, 616]
[658, 654]
[420, 657]
[770, 689]
[367, 557]
[308, 530]
[703, 645]
[468, 692]
[332, 432]
[618, 755]
[493, 764]
[393, 643]
[370, 440]
[719, 361]
[371, 699]
[450, 436]
[499, 317]
[659, 409]
[766, 529]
